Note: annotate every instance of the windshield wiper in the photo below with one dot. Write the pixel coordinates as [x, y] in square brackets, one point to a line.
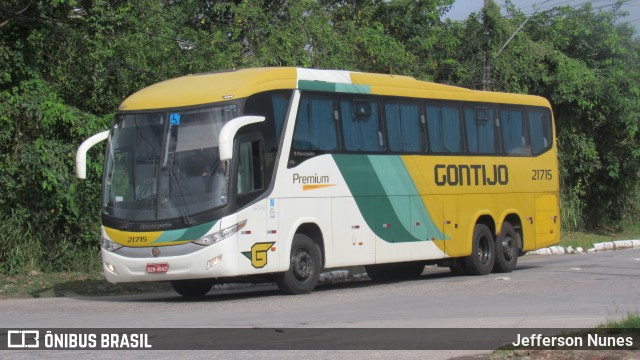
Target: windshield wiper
[143, 198]
[181, 204]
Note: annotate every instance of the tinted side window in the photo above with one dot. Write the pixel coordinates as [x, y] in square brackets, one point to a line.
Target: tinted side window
[280, 103]
[514, 138]
[360, 125]
[540, 130]
[404, 129]
[480, 127]
[249, 168]
[444, 127]
[315, 124]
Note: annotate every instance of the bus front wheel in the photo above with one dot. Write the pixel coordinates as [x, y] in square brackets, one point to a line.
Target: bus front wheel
[482, 257]
[304, 268]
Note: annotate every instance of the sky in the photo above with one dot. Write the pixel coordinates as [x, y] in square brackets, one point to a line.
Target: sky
[462, 8]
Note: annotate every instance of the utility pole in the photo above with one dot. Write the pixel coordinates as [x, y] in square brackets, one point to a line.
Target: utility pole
[486, 71]
[486, 68]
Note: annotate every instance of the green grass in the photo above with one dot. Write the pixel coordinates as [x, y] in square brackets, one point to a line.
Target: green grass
[630, 322]
[587, 239]
[37, 285]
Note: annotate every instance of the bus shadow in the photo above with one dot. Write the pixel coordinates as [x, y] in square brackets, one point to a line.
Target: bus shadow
[163, 293]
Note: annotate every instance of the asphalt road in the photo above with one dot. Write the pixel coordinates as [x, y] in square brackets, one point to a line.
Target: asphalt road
[556, 291]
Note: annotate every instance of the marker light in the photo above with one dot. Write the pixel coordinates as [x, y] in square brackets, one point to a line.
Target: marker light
[109, 245]
[220, 235]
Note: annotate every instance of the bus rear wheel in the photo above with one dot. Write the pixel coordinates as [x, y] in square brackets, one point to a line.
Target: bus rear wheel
[304, 268]
[507, 247]
[482, 257]
[192, 288]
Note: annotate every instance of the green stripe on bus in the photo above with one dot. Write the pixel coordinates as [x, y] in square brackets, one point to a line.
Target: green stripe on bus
[185, 234]
[333, 87]
[398, 188]
[378, 209]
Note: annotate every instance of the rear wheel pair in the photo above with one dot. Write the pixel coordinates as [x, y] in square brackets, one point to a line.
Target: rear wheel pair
[487, 255]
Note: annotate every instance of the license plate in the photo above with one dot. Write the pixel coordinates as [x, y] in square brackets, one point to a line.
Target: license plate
[157, 268]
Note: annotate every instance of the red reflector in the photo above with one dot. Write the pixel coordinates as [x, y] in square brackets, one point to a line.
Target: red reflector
[271, 231]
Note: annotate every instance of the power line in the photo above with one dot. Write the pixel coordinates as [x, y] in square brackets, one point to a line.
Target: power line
[558, 4]
[577, 6]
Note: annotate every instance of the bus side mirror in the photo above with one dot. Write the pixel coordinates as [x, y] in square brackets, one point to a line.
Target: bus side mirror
[81, 154]
[228, 132]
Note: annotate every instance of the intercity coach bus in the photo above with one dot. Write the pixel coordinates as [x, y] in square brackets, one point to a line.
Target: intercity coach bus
[274, 174]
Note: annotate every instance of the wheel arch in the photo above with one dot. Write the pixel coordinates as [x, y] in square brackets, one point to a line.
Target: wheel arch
[487, 219]
[313, 231]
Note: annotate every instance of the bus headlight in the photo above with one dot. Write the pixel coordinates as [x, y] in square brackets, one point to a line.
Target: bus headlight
[220, 235]
[109, 245]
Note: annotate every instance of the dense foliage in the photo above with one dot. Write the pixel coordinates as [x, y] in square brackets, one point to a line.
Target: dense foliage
[67, 64]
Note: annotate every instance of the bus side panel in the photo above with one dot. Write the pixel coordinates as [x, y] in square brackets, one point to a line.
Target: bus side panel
[394, 241]
[547, 222]
[353, 241]
[256, 244]
[295, 212]
[433, 246]
[454, 222]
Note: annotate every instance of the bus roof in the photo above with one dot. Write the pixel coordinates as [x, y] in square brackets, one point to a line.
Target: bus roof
[209, 88]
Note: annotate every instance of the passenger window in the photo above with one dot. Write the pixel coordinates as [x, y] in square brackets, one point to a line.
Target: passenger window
[404, 127]
[315, 124]
[540, 130]
[360, 125]
[480, 127]
[444, 128]
[514, 138]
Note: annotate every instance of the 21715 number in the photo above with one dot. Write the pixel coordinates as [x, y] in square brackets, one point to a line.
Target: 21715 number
[541, 174]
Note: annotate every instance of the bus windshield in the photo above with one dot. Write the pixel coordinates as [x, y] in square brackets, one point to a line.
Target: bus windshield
[166, 165]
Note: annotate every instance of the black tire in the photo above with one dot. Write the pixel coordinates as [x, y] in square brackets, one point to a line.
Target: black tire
[483, 253]
[458, 269]
[507, 249]
[192, 288]
[304, 269]
[396, 271]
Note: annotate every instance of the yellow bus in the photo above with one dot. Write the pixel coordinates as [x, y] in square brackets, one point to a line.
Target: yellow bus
[274, 174]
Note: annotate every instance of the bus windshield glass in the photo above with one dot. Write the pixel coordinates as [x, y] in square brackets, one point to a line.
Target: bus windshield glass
[166, 165]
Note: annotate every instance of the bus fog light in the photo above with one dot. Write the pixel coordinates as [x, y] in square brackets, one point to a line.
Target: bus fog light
[216, 260]
[110, 268]
[213, 262]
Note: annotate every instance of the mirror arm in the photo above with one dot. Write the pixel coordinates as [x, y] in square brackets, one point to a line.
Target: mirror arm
[228, 132]
[81, 154]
